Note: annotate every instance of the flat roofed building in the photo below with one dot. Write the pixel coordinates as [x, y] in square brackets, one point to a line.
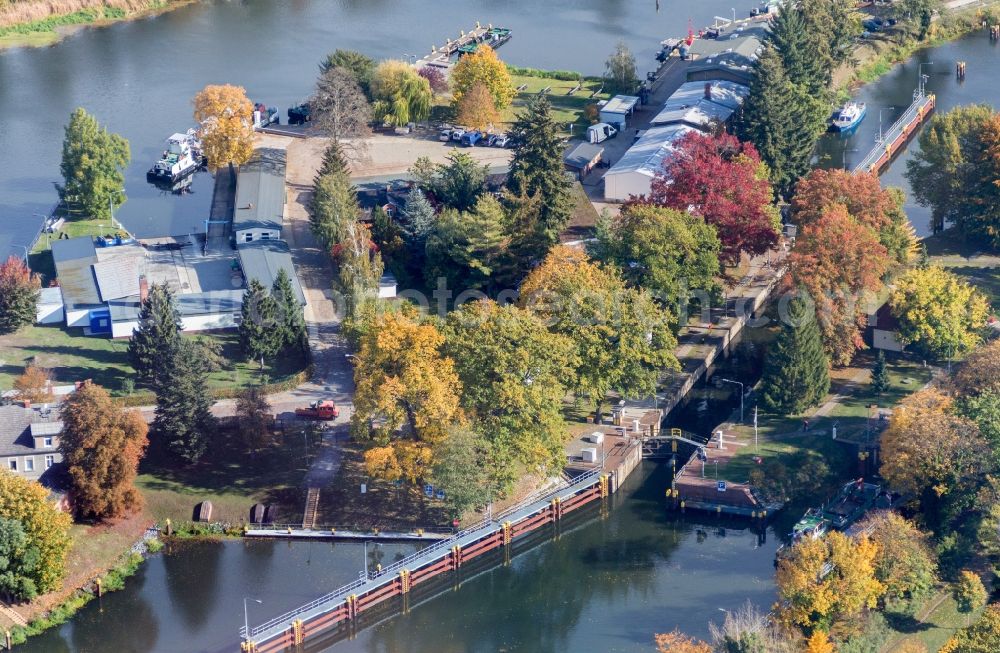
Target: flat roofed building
[260, 197]
[634, 172]
[261, 260]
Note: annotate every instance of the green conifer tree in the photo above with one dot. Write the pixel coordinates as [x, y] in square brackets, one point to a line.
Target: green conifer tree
[292, 322]
[334, 162]
[537, 169]
[184, 421]
[880, 375]
[260, 327]
[334, 203]
[803, 53]
[155, 341]
[782, 120]
[796, 370]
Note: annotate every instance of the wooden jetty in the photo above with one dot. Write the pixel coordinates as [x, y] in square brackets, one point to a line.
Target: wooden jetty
[898, 135]
[466, 43]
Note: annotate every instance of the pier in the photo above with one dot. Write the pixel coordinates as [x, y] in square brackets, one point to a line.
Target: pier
[893, 141]
[466, 43]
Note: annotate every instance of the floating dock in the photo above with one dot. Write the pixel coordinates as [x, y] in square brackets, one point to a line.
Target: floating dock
[466, 43]
[898, 135]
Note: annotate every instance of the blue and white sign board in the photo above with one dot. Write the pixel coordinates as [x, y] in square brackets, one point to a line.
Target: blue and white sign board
[439, 494]
[720, 486]
[429, 491]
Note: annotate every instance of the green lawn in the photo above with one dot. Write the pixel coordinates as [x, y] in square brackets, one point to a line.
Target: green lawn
[933, 629]
[565, 108]
[782, 437]
[232, 479]
[73, 356]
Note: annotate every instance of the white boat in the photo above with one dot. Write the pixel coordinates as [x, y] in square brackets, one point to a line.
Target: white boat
[181, 158]
[849, 116]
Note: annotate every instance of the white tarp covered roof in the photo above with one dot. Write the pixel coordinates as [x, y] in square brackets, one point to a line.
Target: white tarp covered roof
[647, 154]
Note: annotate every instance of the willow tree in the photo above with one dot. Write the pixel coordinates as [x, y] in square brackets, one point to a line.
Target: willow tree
[93, 165]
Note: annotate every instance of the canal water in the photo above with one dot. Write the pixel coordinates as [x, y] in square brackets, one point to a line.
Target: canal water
[613, 577]
[892, 94]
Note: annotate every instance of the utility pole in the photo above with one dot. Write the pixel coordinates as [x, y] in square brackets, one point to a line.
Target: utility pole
[755, 429]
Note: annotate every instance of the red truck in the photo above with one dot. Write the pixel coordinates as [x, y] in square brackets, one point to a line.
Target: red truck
[324, 409]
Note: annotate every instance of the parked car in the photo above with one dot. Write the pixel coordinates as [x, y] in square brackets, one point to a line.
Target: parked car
[445, 135]
[502, 140]
[470, 138]
[489, 140]
[457, 134]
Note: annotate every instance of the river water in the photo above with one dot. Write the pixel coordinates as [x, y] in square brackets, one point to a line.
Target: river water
[893, 93]
[612, 577]
[138, 77]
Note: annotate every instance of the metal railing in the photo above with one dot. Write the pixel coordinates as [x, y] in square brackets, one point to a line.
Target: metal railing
[895, 130]
[445, 545]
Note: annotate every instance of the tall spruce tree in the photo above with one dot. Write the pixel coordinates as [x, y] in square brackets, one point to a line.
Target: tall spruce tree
[880, 374]
[333, 207]
[184, 422]
[796, 370]
[334, 162]
[261, 334]
[802, 53]
[155, 341]
[537, 169]
[783, 120]
[292, 321]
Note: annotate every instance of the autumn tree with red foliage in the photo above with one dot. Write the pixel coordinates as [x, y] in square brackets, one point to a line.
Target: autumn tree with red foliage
[836, 260]
[18, 295]
[724, 181]
[102, 444]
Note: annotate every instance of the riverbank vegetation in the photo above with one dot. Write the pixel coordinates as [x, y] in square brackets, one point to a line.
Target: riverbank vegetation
[39, 22]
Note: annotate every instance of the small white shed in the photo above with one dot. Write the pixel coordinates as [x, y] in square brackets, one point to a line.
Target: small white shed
[49, 309]
[617, 110]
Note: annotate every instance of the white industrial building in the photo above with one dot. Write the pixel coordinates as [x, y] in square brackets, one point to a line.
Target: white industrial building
[260, 197]
[703, 104]
[634, 172]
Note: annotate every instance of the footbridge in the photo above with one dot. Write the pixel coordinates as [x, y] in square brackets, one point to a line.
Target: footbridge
[345, 604]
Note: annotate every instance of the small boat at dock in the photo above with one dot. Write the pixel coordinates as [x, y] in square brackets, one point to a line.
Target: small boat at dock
[848, 117]
[182, 157]
[853, 501]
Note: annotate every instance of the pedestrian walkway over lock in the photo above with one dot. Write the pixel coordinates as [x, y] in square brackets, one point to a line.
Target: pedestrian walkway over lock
[346, 603]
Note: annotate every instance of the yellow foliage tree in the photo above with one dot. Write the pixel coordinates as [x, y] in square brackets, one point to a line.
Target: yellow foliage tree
[225, 118]
[926, 446]
[678, 642]
[34, 385]
[476, 109]
[810, 598]
[819, 642]
[938, 311]
[46, 527]
[407, 395]
[483, 67]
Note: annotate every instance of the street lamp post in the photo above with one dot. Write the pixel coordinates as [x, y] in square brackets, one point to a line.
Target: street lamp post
[246, 615]
[881, 109]
[739, 383]
[922, 78]
[25, 252]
